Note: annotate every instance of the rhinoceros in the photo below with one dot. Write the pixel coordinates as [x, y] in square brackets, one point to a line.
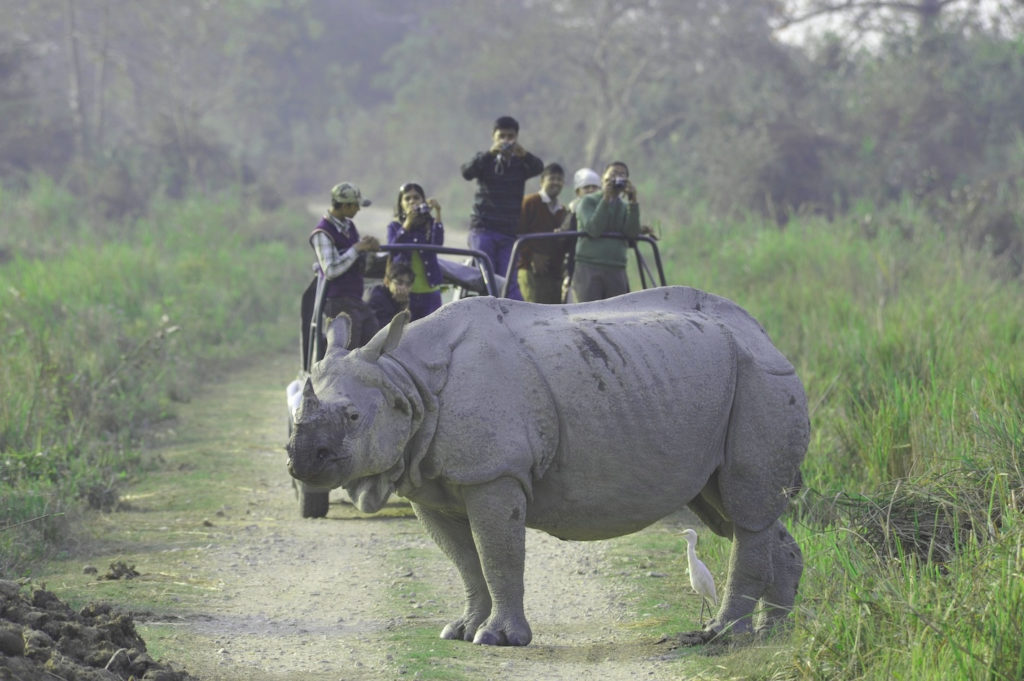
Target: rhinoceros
[586, 421]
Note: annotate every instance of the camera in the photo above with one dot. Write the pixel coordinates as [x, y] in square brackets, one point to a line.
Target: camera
[619, 183]
[422, 209]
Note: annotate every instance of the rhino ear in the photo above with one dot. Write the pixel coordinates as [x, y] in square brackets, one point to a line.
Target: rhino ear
[386, 339]
[339, 332]
[310, 403]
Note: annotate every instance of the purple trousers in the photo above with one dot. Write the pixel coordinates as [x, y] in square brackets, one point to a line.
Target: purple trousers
[422, 304]
[498, 247]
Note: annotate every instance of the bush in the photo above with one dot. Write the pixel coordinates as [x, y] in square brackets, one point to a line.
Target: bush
[105, 325]
[908, 343]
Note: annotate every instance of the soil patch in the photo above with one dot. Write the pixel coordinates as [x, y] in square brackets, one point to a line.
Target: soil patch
[42, 639]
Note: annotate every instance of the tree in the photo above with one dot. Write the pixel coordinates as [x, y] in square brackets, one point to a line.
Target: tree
[26, 120]
[889, 19]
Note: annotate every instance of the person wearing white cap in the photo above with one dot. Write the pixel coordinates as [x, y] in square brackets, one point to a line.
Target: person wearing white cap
[340, 256]
[584, 181]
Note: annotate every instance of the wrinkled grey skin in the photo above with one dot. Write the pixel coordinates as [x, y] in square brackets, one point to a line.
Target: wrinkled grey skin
[586, 421]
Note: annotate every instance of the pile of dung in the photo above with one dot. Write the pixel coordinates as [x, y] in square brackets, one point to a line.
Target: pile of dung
[42, 639]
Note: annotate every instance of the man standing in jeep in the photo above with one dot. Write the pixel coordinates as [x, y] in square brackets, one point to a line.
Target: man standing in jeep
[501, 173]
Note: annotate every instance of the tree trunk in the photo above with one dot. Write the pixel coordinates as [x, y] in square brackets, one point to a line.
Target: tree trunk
[99, 109]
[76, 99]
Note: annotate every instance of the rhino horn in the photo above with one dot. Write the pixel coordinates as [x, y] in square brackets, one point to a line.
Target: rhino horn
[339, 332]
[310, 403]
[386, 339]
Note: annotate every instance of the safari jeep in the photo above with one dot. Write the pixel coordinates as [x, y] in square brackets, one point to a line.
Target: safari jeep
[474, 276]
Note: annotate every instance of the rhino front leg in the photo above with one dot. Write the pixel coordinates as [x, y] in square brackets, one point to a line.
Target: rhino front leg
[497, 517]
[453, 536]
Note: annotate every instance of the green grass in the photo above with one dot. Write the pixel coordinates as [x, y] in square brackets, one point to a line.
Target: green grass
[416, 646]
[910, 350]
[420, 653]
[105, 327]
[909, 346]
[873, 616]
[653, 563]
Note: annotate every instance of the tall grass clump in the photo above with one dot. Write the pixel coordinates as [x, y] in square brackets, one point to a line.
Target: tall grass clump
[909, 342]
[105, 325]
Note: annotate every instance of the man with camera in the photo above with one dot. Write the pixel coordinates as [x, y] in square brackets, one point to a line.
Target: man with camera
[600, 270]
[501, 173]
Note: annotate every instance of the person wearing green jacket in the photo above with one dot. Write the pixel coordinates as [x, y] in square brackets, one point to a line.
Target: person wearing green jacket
[600, 270]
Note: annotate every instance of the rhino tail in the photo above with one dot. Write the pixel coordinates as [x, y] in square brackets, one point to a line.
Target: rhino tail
[796, 486]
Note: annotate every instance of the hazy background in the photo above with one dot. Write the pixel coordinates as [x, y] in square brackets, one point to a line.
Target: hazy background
[771, 106]
[849, 171]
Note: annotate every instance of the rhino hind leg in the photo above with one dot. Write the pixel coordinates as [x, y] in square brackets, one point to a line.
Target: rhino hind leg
[749, 576]
[764, 572]
[766, 441]
[787, 567]
[708, 507]
[452, 534]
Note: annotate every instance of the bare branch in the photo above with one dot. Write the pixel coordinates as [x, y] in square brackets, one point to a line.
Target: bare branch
[923, 8]
[659, 129]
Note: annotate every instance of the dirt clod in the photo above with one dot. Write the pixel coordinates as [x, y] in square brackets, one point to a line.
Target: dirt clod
[700, 637]
[102, 498]
[42, 638]
[120, 570]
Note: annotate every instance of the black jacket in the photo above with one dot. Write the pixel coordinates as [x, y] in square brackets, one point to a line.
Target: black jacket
[383, 305]
[500, 185]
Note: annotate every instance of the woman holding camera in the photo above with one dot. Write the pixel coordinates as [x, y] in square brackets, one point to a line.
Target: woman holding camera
[418, 221]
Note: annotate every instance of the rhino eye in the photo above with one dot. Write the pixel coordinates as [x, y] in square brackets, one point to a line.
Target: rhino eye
[353, 417]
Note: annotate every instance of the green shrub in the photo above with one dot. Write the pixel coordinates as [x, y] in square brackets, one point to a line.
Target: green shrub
[908, 343]
[104, 328]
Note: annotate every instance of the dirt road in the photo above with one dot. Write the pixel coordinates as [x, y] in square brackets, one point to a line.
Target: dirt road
[235, 586]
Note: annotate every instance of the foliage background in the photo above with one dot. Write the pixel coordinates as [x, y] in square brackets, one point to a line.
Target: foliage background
[747, 105]
[848, 171]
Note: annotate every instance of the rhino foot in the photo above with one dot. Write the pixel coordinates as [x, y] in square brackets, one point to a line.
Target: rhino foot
[462, 629]
[697, 638]
[504, 634]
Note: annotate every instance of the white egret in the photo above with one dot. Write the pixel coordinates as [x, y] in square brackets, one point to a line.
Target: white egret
[700, 577]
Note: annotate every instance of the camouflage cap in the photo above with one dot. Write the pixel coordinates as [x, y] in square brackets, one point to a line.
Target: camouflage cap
[346, 192]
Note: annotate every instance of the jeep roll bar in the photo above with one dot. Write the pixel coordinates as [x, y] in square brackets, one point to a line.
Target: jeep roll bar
[632, 243]
[479, 278]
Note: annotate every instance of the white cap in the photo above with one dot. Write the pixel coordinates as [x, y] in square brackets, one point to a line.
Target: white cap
[585, 177]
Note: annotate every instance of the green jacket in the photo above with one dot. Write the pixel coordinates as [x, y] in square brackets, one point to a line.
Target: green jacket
[596, 216]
